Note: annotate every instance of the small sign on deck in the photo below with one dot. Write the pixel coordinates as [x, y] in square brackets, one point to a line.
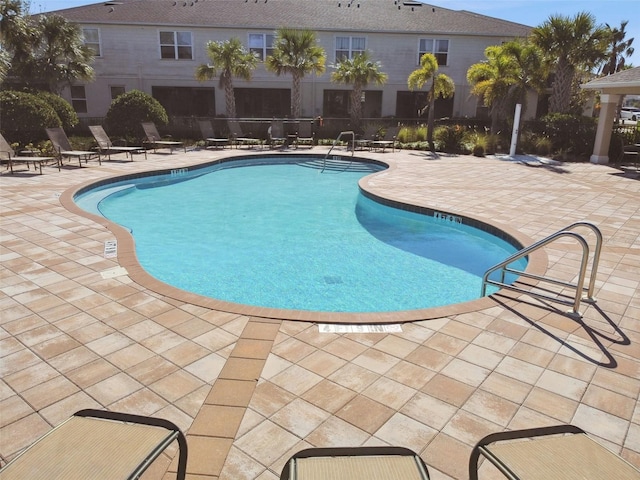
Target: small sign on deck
[110, 249]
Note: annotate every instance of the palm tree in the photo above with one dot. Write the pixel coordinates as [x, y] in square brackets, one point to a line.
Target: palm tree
[296, 52]
[619, 48]
[493, 80]
[61, 54]
[573, 45]
[17, 36]
[441, 87]
[359, 71]
[531, 73]
[228, 59]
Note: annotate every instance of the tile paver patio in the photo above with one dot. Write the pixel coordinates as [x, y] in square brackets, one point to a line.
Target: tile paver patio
[249, 390]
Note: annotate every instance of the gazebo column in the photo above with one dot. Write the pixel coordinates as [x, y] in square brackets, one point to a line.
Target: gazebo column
[608, 106]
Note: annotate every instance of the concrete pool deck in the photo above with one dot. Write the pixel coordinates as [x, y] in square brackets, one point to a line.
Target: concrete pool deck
[250, 390]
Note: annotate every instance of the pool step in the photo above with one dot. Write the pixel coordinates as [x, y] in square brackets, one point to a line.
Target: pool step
[337, 163]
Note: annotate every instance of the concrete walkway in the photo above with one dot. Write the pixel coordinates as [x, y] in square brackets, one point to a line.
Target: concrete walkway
[250, 389]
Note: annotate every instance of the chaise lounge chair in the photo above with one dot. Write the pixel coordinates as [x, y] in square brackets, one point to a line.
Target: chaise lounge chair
[364, 141]
[106, 147]
[154, 140]
[305, 134]
[356, 463]
[561, 452]
[208, 135]
[239, 137]
[276, 134]
[7, 154]
[387, 140]
[62, 145]
[96, 444]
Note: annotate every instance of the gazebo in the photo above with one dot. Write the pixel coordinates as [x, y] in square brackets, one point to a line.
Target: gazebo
[612, 88]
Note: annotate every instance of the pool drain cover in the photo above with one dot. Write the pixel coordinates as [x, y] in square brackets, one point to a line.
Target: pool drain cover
[332, 280]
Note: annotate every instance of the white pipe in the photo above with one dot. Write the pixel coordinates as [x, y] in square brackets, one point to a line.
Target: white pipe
[514, 134]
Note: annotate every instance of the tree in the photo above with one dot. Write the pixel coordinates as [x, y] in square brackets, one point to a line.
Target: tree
[17, 35]
[573, 45]
[358, 71]
[130, 109]
[531, 70]
[228, 59]
[441, 87]
[44, 52]
[297, 53]
[619, 48]
[61, 54]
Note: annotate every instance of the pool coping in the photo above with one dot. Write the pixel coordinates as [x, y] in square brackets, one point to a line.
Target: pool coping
[127, 258]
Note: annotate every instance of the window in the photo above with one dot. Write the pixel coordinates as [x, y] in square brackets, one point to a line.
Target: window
[348, 47]
[79, 98]
[262, 102]
[439, 47]
[186, 101]
[337, 103]
[176, 45]
[92, 40]
[116, 91]
[261, 44]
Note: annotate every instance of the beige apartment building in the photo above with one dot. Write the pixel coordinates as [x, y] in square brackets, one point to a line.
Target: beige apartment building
[156, 45]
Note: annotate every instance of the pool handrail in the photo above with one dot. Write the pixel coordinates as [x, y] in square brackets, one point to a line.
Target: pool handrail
[579, 286]
[335, 142]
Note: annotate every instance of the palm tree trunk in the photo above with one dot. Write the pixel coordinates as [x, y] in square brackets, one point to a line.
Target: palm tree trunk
[230, 99]
[295, 96]
[561, 88]
[431, 118]
[495, 115]
[356, 107]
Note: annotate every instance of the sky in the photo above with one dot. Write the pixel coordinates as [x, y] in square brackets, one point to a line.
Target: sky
[527, 12]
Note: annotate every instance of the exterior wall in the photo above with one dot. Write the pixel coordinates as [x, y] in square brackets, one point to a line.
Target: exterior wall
[131, 58]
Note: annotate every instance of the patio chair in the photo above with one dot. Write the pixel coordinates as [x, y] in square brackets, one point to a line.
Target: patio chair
[155, 141]
[106, 147]
[209, 137]
[364, 141]
[387, 140]
[355, 463]
[8, 155]
[276, 134]
[62, 145]
[98, 444]
[238, 136]
[561, 452]
[305, 134]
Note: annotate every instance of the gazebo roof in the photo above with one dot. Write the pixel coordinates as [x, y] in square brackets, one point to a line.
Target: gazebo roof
[626, 82]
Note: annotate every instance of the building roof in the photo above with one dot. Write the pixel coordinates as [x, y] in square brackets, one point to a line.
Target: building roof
[624, 82]
[330, 15]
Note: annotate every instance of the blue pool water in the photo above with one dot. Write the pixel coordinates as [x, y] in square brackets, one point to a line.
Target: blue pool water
[280, 234]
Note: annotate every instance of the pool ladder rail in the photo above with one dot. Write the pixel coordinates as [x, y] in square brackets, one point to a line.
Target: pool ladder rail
[579, 287]
[335, 142]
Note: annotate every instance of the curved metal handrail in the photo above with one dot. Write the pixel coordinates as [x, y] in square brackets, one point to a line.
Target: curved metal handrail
[335, 142]
[579, 286]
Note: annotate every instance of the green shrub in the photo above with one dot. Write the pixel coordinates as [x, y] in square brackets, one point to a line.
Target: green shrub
[24, 117]
[478, 150]
[543, 146]
[412, 134]
[63, 109]
[129, 110]
[527, 142]
[450, 138]
[573, 135]
[491, 144]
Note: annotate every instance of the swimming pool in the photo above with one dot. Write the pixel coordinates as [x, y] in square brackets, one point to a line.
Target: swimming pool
[281, 233]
